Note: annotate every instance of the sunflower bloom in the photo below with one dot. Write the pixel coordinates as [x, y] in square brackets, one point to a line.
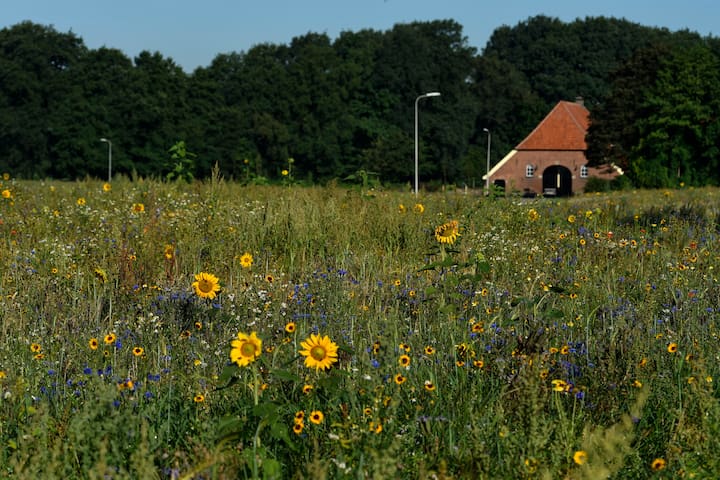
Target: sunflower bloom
[93, 343]
[35, 348]
[658, 464]
[101, 275]
[448, 232]
[245, 349]
[169, 252]
[319, 352]
[246, 260]
[138, 351]
[206, 285]
[317, 417]
[672, 347]
[110, 338]
[138, 208]
[580, 457]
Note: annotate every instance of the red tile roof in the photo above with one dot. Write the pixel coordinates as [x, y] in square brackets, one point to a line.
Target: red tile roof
[564, 128]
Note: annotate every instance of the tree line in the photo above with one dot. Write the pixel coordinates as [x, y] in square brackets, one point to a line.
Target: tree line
[319, 109]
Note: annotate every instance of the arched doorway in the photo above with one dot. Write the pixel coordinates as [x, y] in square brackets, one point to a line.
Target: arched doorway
[557, 180]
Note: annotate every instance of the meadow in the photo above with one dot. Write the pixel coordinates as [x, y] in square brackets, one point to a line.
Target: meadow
[216, 331]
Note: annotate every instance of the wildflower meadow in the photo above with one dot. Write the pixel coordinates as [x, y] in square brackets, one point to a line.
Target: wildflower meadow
[210, 330]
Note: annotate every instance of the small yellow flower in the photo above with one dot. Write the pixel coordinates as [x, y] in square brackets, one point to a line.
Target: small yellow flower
[290, 327]
[317, 417]
[559, 385]
[285, 173]
[138, 208]
[419, 208]
[429, 386]
[6, 193]
[246, 260]
[571, 219]
[138, 351]
[658, 464]
[107, 187]
[533, 215]
[399, 379]
[81, 201]
[580, 457]
[199, 398]
[672, 347]
[307, 389]
[404, 360]
[169, 252]
[93, 343]
[35, 347]
[110, 338]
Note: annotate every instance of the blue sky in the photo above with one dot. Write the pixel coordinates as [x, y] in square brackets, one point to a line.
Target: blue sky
[192, 33]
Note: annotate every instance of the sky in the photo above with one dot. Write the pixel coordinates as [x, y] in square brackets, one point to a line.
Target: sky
[194, 32]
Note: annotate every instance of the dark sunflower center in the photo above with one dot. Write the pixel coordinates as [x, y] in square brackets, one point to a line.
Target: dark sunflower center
[318, 353]
[247, 349]
[205, 286]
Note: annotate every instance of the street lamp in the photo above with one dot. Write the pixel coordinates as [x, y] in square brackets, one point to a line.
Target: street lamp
[429, 94]
[487, 174]
[105, 140]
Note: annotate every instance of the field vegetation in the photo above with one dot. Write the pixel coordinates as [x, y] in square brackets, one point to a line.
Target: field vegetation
[211, 330]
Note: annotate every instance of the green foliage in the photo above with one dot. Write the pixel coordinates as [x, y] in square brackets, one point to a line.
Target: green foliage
[344, 106]
[182, 163]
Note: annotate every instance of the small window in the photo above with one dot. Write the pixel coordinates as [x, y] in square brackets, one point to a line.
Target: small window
[584, 171]
[529, 171]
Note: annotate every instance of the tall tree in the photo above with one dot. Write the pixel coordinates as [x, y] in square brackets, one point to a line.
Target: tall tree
[678, 138]
[35, 65]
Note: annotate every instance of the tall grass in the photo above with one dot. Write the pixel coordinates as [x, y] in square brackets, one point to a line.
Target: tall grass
[570, 338]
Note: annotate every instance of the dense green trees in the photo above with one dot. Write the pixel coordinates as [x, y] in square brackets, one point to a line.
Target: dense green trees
[344, 108]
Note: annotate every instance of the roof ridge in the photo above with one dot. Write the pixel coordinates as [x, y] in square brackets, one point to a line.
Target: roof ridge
[563, 128]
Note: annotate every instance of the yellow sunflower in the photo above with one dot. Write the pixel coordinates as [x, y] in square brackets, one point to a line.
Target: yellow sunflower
[316, 417]
[246, 260]
[101, 275]
[245, 349]
[580, 457]
[448, 232]
[107, 187]
[206, 285]
[319, 352]
[138, 208]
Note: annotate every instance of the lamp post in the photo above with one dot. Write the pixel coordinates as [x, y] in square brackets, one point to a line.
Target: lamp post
[105, 140]
[487, 174]
[425, 95]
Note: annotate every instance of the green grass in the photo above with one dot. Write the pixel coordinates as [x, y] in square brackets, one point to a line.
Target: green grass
[550, 327]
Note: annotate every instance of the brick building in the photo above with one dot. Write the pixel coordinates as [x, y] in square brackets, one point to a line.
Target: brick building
[551, 160]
